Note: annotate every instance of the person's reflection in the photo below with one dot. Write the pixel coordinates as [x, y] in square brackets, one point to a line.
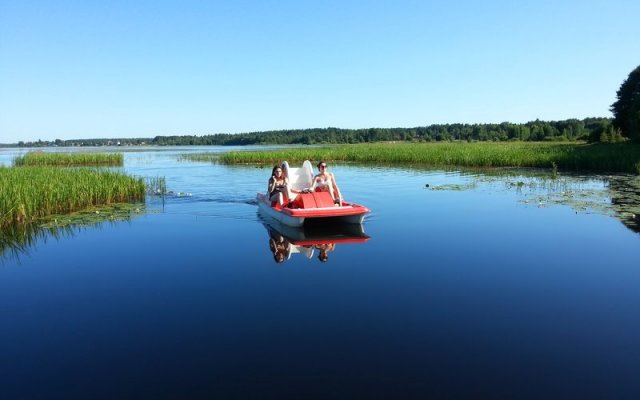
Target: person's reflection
[280, 247]
[324, 249]
[311, 241]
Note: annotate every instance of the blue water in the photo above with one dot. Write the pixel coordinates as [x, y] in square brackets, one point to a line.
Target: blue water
[483, 292]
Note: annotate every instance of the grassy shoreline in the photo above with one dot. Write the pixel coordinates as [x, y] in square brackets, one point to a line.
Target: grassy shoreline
[613, 158]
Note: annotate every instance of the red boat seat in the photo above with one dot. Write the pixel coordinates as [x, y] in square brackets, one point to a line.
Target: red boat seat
[314, 200]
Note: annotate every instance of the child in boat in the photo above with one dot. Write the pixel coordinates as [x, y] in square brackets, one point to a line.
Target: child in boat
[326, 182]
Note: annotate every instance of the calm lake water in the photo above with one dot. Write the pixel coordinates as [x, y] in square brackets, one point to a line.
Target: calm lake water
[477, 286]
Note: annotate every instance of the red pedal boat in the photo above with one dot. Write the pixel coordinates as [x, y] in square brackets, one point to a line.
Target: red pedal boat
[309, 206]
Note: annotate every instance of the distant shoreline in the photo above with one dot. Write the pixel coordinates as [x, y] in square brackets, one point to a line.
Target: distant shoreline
[588, 129]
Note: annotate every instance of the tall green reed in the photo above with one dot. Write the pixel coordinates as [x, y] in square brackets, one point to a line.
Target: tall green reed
[32, 193]
[41, 158]
[567, 156]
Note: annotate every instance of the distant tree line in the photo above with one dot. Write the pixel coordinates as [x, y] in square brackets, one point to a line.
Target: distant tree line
[588, 129]
[624, 126]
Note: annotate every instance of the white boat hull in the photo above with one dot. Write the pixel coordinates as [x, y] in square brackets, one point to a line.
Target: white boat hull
[349, 214]
[279, 216]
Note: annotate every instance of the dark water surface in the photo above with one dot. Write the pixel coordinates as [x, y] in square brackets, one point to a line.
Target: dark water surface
[477, 286]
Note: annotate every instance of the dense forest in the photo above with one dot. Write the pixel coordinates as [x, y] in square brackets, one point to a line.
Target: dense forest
[589, 129]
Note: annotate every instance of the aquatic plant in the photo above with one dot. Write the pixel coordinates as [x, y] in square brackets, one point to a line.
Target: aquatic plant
[565, 156]
[156, 185]
[32, 193]
[41, 158]
[201, 157]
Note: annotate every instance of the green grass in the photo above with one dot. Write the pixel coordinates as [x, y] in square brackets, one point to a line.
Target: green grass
[566, 156]
[30, 194]
[41, 159]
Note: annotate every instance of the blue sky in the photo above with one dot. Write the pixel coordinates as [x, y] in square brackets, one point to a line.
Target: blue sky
[105, 69]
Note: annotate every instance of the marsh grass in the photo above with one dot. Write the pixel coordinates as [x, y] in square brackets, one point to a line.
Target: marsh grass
[200, 157]
[30, 194]
[565, 156]
[156, 185]
[41, 159]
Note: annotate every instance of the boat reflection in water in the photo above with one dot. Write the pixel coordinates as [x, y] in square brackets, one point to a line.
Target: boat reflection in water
[315, 239]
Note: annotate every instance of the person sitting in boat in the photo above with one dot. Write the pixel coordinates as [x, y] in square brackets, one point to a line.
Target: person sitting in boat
[278, 188]
[326, 182]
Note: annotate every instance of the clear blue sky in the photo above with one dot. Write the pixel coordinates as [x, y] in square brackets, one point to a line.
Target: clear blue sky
[104, 69]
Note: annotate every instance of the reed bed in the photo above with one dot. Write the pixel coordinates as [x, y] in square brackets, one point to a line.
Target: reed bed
[32, 193]
[156, 185]
[42, 159]
[568, 156]
[202, 157]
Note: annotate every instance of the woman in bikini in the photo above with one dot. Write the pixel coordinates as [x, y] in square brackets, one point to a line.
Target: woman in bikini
[278, 188]
[326, 182]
